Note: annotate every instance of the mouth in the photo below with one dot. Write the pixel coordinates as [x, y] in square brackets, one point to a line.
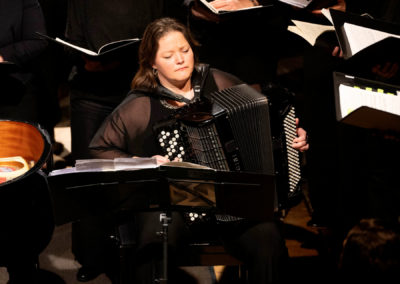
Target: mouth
[181, 69]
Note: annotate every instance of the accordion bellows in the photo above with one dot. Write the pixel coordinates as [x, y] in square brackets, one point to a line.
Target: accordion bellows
[232, 130]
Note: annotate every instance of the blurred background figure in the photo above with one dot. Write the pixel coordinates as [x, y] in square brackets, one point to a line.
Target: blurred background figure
[371, 252]
[20, 48]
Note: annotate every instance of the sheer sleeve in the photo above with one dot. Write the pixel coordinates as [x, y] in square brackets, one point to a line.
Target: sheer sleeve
[224, 80]
[119, 135]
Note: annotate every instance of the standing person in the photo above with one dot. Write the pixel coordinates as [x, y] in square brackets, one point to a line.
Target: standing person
[168, 65]
[96, 88]
[19, 20]
[246, 44]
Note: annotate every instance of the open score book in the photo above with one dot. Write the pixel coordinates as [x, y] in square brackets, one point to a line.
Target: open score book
[107, 48]
[354, 32]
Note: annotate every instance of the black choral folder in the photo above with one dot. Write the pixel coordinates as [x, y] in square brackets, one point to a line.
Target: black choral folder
[364, 112]
[111, 49]
[372, 29]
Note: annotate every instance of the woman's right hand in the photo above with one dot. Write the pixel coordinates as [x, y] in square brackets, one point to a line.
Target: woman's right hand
[161, 159]
[201, 12]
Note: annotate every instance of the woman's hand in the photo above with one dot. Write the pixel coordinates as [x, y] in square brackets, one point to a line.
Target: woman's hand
[161, 159]
[300, 142]
[1, 59]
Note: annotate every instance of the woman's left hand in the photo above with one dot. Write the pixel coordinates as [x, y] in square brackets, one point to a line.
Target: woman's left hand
[300, 142]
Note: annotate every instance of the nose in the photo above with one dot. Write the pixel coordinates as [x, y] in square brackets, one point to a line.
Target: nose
[179, 58]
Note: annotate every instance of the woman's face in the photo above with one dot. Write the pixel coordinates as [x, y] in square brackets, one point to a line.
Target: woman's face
[174, 60]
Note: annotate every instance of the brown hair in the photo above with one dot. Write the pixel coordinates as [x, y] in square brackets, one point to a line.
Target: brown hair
[145, 78]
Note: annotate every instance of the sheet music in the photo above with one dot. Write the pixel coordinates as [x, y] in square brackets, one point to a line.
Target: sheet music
[297, 3]
[309, 31]
[327, 14]
[351, 98]
[117, 164]
[361, 37]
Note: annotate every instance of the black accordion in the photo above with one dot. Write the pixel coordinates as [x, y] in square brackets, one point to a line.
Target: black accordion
[238, 129]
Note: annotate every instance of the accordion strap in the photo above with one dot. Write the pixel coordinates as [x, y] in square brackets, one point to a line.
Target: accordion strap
[198, 79]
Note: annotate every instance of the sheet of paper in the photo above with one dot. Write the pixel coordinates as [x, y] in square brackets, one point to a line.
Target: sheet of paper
[309, 31]
[361, 37]
[351, 98]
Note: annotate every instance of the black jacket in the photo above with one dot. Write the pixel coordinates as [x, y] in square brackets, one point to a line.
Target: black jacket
[19, 20]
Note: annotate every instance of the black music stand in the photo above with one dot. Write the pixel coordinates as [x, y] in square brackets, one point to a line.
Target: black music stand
[82, 194]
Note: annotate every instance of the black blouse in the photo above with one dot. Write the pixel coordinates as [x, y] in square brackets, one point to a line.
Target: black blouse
[128, 131]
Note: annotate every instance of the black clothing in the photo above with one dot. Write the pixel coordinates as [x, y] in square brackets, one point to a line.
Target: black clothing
[128, 132]
[246, 45]
[351, 171]
[19, 20]
[93, 95]
[93, 23]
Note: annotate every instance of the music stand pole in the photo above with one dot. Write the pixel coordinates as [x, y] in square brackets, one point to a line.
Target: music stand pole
[164, 220]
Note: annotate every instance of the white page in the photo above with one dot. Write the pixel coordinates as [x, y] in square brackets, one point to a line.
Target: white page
[327, 14]
[87, 51]
[362, 37]
[297, 3]
[352, 98]
[309, 31]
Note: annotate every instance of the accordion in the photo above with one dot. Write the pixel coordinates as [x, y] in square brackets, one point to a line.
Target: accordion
[237, 129]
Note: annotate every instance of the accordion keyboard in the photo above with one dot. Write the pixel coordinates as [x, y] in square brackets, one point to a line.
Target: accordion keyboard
[294, 175]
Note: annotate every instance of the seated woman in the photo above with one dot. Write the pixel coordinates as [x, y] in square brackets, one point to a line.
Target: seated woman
[168, 66]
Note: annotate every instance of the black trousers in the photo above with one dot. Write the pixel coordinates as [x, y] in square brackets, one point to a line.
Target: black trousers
[259, 245]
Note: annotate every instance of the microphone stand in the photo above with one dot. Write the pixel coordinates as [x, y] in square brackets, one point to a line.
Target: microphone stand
[164, 220]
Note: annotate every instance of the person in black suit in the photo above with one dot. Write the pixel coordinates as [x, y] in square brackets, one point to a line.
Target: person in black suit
[19, 20]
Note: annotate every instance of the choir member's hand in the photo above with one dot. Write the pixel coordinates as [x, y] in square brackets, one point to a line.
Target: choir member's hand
[339, 5]
[201, 12]
[386, 71]
[338, 52]
[231, 5]
[300, 142]
[99, 66]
